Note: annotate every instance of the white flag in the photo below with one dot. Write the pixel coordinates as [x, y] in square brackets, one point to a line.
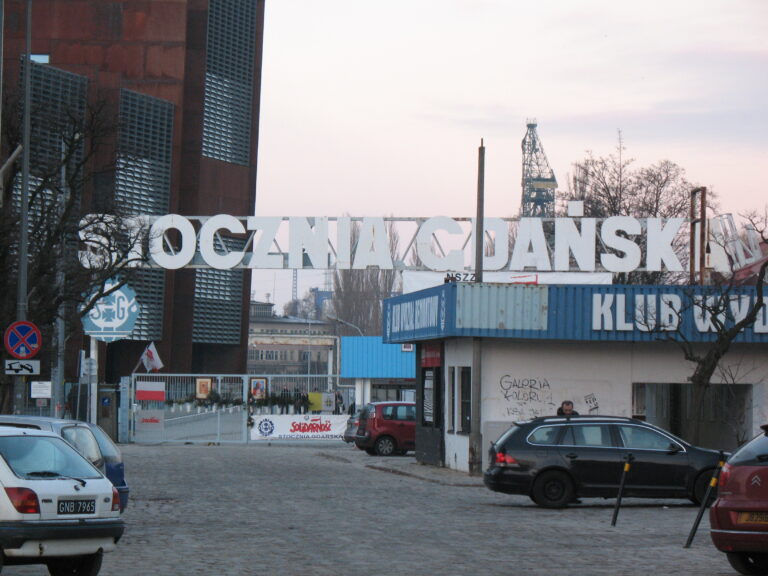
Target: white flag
[151, 359]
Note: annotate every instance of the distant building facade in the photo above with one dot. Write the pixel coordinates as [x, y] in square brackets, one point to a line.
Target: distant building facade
[289, 345]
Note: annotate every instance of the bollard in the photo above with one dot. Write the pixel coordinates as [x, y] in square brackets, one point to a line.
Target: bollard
[627, 465]
[712, 484]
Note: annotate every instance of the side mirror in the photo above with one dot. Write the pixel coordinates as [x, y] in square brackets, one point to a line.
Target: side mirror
[673, 448]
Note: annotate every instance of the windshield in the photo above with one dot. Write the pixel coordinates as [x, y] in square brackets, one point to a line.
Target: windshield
[44, 457]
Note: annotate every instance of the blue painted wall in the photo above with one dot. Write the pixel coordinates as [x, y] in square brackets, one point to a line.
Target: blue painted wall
[370, 357]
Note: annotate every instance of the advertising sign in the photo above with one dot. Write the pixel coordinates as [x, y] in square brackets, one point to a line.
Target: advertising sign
[150, 426]
[114, 316]
[298, 426]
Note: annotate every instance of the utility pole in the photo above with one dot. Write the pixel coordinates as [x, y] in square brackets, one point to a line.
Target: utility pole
[475, 434]
[19, 388]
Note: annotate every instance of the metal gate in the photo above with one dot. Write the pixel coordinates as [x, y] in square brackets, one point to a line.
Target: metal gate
[188, 408]
[200, 408]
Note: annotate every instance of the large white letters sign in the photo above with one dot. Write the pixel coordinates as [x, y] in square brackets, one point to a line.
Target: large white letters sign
[615, 244]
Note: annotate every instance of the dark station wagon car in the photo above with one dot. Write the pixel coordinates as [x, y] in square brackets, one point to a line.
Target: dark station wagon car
[555, 460]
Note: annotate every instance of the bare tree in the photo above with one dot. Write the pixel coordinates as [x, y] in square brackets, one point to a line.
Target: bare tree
[612, 186]
[358, 294]
[727, 311]
[72, 261]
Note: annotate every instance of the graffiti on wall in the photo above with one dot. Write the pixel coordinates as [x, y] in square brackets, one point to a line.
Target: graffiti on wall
[527, 397]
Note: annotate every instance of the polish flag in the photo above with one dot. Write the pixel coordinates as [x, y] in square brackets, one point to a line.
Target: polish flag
[151, 359]
[153, 391]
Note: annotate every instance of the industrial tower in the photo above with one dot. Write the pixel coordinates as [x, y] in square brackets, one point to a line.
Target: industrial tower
[538, 179]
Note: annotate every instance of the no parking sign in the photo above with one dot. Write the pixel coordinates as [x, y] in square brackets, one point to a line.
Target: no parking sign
[23, 340]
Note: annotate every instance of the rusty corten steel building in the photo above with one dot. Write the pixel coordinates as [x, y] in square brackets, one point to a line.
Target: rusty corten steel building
[183, 78]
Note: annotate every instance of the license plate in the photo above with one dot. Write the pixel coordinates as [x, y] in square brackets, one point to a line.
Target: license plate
[77, 506]
[753, 518]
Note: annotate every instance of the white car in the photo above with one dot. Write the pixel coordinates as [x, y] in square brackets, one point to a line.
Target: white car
[56, 508]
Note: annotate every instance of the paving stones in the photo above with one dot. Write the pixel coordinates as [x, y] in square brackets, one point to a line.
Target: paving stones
[330, 509]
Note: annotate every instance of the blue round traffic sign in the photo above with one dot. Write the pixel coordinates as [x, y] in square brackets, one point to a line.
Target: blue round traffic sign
[23, 340]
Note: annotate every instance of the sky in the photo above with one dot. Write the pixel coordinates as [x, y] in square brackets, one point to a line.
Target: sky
[372, 108]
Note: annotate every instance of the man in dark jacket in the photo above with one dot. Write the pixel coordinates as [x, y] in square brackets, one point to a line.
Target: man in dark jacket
[566, 409]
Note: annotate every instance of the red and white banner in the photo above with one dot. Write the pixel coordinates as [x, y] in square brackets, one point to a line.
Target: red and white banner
[151, 391]
[298, 426]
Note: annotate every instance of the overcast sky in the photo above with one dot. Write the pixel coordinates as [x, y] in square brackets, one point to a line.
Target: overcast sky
[378, 107]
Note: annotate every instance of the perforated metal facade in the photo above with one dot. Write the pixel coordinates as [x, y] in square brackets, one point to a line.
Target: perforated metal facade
[227, 114]
[143, 186]
[218, 303]
[145, 146]
[58, 112]
[57, 116]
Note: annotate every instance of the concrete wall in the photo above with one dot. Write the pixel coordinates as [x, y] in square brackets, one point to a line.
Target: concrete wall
[527, 379]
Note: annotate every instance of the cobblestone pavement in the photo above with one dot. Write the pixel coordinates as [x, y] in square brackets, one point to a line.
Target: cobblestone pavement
[330, 509]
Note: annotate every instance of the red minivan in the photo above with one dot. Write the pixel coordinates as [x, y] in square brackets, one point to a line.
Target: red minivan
[387, 428]
[739, 516]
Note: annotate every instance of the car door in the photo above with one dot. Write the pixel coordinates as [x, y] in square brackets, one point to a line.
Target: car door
[594, 460]
[404, 424]
[660, 465]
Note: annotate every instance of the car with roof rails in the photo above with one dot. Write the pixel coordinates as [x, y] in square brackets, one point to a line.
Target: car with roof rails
[556, 460]
[88, 439]
[387, 428]
[56, 508]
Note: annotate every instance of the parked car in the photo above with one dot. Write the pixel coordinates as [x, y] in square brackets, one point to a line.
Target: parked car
[387, 428]
[739, 516]
[56, 508]
[89, 439]
[351, 430]
[555, 460]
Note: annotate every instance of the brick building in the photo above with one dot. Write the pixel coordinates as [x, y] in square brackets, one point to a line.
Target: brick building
[183, 79]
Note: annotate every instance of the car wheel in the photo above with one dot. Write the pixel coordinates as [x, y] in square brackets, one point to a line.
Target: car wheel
[385, 446]
[700, 488]
[552, 489]
[78, 565]
[748, 563]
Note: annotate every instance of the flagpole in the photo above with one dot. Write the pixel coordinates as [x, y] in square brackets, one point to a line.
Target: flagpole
[139, 362]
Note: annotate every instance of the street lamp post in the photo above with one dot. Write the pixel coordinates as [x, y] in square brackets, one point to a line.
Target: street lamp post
[338, 362]
[340, 321]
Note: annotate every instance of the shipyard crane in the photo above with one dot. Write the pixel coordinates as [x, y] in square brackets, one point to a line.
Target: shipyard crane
[539, 181]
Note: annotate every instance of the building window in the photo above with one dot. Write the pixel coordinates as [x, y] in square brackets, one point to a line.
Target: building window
[428, 397]
[450, 399]
[465, 408]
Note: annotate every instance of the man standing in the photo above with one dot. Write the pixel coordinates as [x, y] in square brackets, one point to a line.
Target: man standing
[285, 400]
[566, 409]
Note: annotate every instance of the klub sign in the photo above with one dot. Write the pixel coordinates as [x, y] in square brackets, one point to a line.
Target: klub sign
[615, 244]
